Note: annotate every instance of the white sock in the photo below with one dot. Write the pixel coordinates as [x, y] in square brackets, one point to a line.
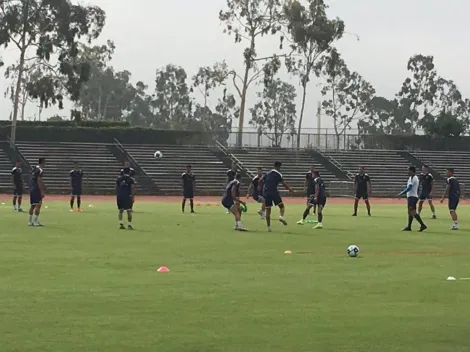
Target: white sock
[281, 217]
[129, 223]
[36, 218]
[30, 219]
[239, 224]
[121, 222]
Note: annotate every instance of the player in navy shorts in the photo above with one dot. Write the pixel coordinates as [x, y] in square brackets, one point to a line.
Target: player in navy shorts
[317, 198]
[231, 201]
[17, 179]
[125, 188]
[453, 194]
[231, 173]
[76, 181]
[189, 184]
[128, 170]
[271, 193]
[36, 193]
[309, 187]
[362, 189]
[256, 190]
[427, 183]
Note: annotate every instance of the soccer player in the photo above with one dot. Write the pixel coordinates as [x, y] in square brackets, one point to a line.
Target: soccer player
[309, 187]
[256, 190]
[427, 184]
[231, 201]
[232, 173]
[362, 189]
[17, 179]
[125, 189]
[317, 198]
[320, 198]
[36, 193]
[189, 185]
[76, 181]
[411, 191]
[271, 194]
[453, 193]
[128, 170]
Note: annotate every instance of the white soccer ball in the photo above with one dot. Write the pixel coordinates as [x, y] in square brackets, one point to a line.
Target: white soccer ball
[353, 250]
[158, 154]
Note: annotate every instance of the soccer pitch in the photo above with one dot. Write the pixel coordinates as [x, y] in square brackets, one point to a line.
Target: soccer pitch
[81, 284]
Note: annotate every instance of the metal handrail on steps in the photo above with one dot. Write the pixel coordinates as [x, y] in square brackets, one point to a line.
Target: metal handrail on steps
[335, 163]
[234, 159]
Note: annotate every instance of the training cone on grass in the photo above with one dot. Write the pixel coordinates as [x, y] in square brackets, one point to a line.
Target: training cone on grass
[163, 269]
[288, 252]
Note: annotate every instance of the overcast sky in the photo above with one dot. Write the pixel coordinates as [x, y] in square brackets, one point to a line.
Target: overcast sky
[152, 33]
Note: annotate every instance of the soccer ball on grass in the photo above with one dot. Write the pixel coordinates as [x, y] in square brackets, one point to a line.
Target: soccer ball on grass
[353, 250]
[158, 154]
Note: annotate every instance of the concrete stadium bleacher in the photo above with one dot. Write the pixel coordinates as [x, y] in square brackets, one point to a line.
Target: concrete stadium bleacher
[387, 169]
[440, 161]
[295, 164]
[166, 172]
[5, 173]
[99, 166]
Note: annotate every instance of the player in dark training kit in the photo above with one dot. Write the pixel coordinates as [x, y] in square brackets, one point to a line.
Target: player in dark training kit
[317, 198]
[128, 170]
[189, 185]
[453, 194]
[36, 193]
[362, 189]
[76, 182]
[309, 186]
[125, 189]
[427, 183]
[271, 194]
[256, 191]
[231, 201]
[231, 173]
[17, 180]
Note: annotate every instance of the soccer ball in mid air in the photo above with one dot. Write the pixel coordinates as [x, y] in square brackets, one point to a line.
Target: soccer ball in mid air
[158, 154]
[353, 250]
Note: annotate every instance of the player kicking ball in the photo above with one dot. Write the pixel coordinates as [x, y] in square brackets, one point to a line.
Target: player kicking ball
[271, 193]
[453, 194]
[125, 189]
[231, 201]
[256, 190]
[411, 192]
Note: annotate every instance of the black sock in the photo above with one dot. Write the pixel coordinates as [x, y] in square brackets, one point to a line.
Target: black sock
[71, 202]
[410, 220]
[418, 218]
[183, 204]
[79, 202]
[191, 203]
[306, 212]
[320, 217]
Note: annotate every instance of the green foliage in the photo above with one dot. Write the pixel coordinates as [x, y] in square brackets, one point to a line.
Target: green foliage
[274, 114]
[346, 95]
[56, 122]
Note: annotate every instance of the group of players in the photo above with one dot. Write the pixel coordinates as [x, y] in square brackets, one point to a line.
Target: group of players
[264, 190]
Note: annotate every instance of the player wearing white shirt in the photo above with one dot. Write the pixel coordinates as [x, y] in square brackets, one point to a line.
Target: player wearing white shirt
[411, 191]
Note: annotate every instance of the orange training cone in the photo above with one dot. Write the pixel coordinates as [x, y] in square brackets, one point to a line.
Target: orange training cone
[163, 269]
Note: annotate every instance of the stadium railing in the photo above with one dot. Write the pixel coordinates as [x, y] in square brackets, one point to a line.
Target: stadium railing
[232, 157]
[335, 163]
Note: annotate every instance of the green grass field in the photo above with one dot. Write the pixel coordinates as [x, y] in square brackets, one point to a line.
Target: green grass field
[80, 284]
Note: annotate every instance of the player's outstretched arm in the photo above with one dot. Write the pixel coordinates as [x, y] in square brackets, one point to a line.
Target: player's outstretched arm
[286, 186]
[406, 190]
[446, 193]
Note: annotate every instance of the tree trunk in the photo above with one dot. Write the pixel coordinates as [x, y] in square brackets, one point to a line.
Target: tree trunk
[302, 108]
[16, 103]
[241, 118]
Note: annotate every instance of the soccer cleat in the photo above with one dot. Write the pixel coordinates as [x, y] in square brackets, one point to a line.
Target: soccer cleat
[129, 227]
[434, 217]
[454, 227]
[269, 229]
[71, 210]
[122, 227]
[30, 224]
[260, 212]
[407, 229]
[38, 224]
[79, 210]
[193, 212]
[300, 222]
[422, 228]
[20, 210]
[284, 222]
[242, 229]
[318, 226]
[354, 214]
